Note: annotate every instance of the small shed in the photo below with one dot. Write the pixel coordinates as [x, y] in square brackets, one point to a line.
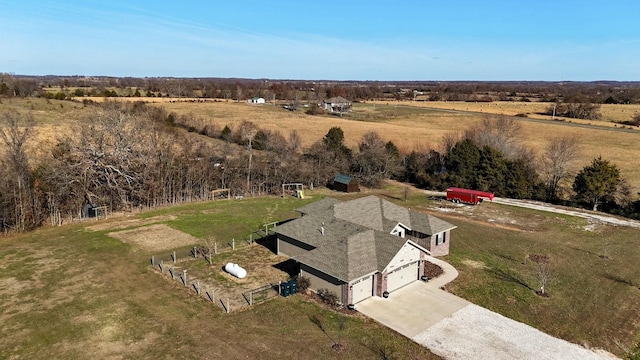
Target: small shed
[256, 100]
[345, 183]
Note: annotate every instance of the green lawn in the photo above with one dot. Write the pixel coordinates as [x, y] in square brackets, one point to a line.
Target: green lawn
[69, 292]
[593, 300]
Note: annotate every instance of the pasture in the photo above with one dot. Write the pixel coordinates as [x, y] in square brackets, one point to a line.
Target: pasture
[410, 125]
[417, 127]
[77, 292]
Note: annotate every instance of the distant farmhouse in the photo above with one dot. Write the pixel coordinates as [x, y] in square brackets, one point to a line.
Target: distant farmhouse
[336, 104]
[362, 248]
[256, 100]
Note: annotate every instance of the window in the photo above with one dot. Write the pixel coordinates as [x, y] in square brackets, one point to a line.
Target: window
[438, 241]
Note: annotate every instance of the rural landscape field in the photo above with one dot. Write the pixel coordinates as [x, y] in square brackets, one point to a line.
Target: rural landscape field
[336, 180]
[77, 291]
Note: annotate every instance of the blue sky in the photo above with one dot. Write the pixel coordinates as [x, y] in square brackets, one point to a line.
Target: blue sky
[339, 40]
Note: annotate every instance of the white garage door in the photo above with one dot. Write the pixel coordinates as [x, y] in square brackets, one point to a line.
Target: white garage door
[402, 276]
[362, 289]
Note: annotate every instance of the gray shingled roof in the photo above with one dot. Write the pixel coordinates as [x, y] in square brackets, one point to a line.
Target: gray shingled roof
[356, 239]
[323, 205]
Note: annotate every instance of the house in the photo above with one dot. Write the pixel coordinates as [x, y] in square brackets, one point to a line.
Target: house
[256, 100]
[361, 248]
[336, 104]
[345, 183]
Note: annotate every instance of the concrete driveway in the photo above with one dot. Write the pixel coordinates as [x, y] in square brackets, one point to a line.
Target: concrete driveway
[456, 329]
[412, 309]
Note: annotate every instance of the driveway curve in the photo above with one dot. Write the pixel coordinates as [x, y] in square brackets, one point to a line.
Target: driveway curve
[457, 329]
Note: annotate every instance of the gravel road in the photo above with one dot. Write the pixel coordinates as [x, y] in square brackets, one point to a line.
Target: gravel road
[537, 205]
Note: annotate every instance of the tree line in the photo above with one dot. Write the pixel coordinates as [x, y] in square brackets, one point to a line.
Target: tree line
[130, 155]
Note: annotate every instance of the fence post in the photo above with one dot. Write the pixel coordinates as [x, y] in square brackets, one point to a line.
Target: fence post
[228, 309]
[233, 244]
[210, 256]
[173, 273]
[161, 267]
[195, 252]
[174, 257]
[213, 296]
[153, 261]
[198, 287]
[215, 247]
[184, 276]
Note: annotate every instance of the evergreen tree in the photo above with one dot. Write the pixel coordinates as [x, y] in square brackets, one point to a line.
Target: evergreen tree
[597, 183]
[462, 163]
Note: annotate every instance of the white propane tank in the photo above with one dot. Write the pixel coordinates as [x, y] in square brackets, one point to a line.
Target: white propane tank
[235, 270]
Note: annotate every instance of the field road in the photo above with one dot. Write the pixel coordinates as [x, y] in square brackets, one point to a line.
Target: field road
[537, 205]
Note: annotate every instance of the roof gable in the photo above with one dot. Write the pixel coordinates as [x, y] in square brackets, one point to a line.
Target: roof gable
[356, 240]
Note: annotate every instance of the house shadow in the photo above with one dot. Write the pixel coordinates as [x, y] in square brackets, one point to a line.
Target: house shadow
[289, 266]
[268, 242]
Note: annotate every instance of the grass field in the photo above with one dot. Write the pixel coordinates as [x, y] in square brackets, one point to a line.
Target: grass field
[70, 292]
[409, 125]
[76, 292]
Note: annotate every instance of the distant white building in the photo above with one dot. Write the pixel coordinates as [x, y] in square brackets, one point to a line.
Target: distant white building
[336, 104]
[256, 100]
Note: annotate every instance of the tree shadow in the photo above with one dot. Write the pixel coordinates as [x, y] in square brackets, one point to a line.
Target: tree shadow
[506, 276]
[619, 279]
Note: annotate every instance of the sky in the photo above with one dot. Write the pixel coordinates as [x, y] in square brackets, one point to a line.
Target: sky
[484, 40]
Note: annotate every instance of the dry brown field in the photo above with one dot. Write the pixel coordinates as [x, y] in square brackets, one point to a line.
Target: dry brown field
[610, 112]
[412, 127]
[409, 125]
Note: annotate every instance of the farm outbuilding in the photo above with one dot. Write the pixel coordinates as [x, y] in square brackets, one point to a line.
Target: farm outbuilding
[362, 248]
[256, 100]
[336, 104]
[345, 183]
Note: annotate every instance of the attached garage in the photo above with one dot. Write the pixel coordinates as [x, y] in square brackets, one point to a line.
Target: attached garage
[402, 276]
[362, 289]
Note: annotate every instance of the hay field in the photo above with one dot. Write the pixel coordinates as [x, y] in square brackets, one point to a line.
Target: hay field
[412, 127]
[610, 112]
[409, 125]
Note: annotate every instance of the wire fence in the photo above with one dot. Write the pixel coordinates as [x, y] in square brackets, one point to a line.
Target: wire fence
[174, 265]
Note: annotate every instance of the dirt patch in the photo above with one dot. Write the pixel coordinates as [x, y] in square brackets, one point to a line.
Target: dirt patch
[539, 258]
[211, 211]
[474, 264]
[118, 224]
[159, 237]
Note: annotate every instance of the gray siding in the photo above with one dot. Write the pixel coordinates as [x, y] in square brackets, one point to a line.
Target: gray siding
[320, 280]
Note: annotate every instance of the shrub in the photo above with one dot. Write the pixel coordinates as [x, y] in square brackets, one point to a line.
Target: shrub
[303, 283]
[328, 297]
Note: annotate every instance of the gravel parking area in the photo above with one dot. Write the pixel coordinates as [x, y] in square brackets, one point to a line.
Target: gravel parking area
[477, 333]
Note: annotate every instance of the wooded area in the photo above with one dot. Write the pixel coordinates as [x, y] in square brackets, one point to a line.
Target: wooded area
[127, 155]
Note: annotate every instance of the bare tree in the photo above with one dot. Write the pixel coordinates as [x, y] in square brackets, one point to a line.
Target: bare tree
[18, 182]
[559, 157]
[375, 162]
[544, 274]
[294, 141]
[499, 132]
[247, 131]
